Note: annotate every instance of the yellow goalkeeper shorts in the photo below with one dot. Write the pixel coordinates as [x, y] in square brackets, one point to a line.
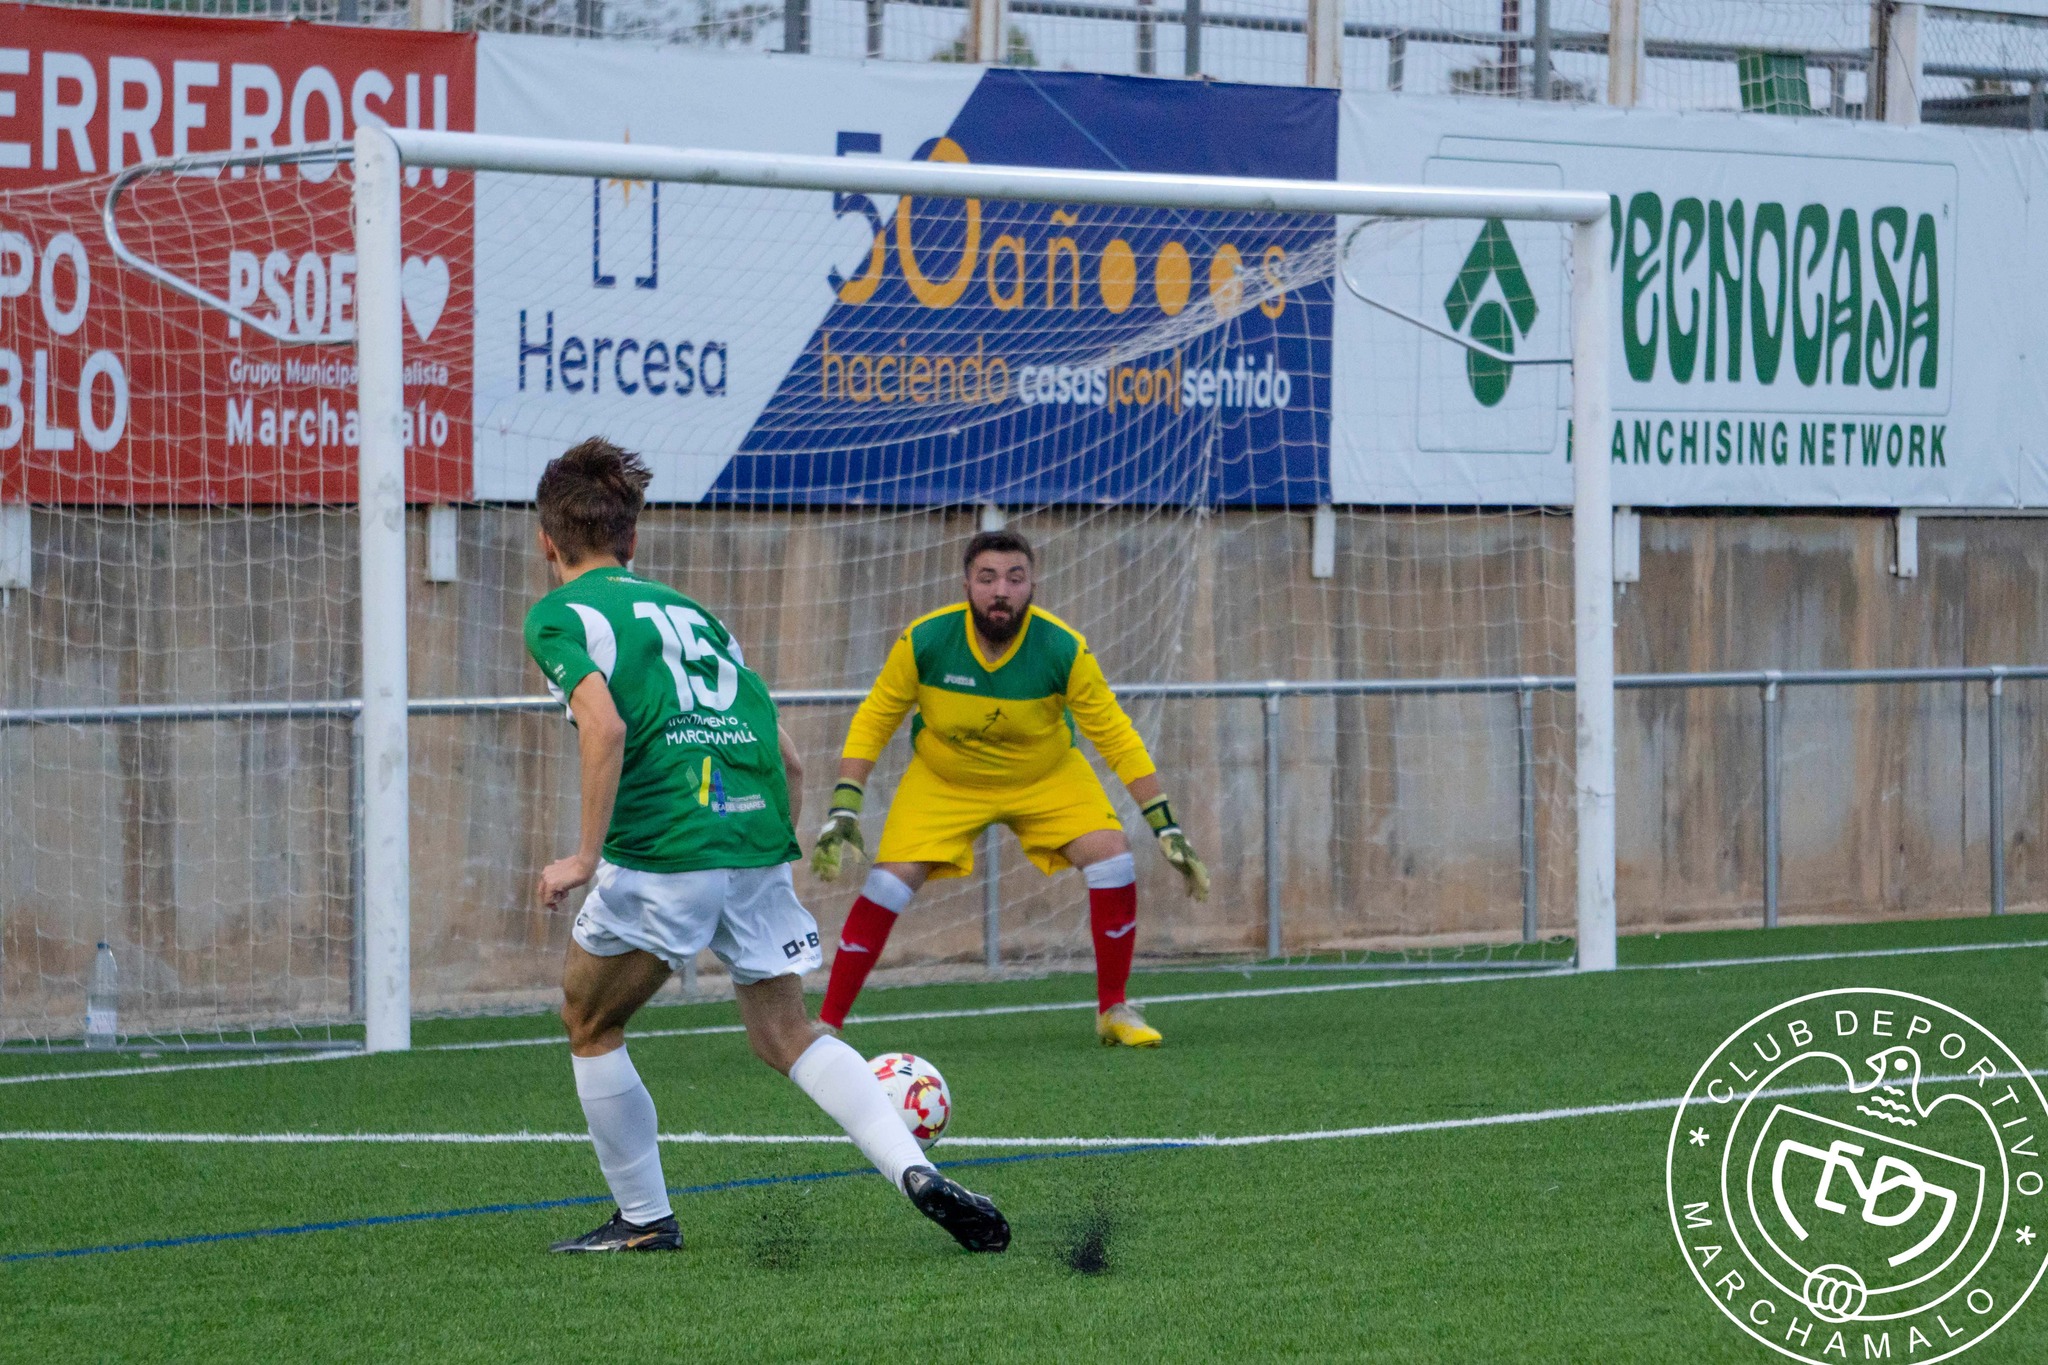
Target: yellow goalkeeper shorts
[932, 820]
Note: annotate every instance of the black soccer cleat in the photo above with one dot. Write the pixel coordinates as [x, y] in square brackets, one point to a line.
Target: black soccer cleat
[619, 1235]
[973, 1219]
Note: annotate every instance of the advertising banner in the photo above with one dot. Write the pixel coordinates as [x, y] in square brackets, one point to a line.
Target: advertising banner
[1814, 314]
[812, 348]
[116, 390]
[1802, 313]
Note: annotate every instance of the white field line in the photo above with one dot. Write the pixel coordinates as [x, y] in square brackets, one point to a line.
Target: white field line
[1465, 978]
[286, 1060]
[1254, 993]
[1832, 957]
[1042, 1007]
[980, 1012]
[952, 1144]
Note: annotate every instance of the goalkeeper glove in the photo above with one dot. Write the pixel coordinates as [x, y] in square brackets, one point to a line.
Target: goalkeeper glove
[842, 829]
[1174, 847]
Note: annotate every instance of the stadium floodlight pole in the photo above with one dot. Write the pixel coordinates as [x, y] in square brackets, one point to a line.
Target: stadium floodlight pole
[1592, 597]
[380, 492]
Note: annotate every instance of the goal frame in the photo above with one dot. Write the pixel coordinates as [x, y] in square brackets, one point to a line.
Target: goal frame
[381, 156]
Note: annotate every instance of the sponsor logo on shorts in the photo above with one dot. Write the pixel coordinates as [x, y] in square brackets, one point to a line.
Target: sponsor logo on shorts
[795, 947]
[1858, 1174]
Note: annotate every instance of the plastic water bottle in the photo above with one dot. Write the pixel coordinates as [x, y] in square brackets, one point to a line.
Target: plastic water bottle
[102, 1000]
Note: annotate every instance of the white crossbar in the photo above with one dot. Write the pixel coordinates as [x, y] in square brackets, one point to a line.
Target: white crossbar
[688, 165]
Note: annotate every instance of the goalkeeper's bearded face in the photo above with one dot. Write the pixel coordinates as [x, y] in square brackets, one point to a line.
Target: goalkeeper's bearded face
[999, 588]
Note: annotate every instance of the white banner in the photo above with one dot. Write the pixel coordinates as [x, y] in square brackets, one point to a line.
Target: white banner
[765, 347]
[597, 314]
[1804, 313]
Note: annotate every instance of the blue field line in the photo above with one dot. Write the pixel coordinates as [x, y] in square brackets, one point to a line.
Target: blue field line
[391, 1219]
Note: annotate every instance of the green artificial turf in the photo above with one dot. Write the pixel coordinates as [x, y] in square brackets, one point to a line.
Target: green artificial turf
[1534, 1241]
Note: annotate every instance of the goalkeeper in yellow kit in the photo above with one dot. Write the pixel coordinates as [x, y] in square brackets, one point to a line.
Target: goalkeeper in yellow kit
[1000, 688]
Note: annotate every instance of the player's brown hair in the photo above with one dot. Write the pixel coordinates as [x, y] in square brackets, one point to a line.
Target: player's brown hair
[590, 498]
[1002, 542]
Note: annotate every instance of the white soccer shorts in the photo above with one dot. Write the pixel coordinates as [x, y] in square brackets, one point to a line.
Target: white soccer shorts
[749, 916]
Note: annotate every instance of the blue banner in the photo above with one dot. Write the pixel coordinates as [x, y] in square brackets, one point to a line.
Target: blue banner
[1041, 353]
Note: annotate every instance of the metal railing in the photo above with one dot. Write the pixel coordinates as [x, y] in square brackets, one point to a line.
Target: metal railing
[1994, 54]
[1538, 42]
[1769, 684]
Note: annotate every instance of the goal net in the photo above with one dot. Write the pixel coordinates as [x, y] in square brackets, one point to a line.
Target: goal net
[235, 557]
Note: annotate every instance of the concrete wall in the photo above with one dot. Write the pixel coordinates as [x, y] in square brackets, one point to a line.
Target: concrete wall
[1886, 788]
[216, 856]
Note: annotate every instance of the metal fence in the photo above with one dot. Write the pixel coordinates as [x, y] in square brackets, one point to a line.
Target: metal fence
[1796, 57]
[1770, 685]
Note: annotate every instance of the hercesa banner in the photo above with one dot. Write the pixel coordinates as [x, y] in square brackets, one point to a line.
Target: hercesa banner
[117, 389]
[800, 348]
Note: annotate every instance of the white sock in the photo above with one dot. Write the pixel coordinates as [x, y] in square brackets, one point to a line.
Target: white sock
[1110, 873]
[887, 890]
[836, 1076]
[621, 1117]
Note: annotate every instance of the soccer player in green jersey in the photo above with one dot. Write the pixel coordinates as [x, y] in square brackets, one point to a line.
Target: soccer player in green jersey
[689, 797]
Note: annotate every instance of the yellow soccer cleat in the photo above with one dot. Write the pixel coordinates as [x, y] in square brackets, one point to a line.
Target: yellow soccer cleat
[1122, 1026]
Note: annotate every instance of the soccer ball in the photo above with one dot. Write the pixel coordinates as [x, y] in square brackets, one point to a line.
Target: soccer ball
[919, 1093]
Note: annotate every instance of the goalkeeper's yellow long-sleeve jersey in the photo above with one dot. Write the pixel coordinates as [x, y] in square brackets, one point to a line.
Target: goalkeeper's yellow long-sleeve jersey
[986, 722]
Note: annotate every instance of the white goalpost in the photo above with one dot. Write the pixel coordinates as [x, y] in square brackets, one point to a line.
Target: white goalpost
[381, 155]
[385, 770]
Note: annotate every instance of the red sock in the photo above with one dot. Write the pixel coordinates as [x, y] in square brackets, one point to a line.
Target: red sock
[1113, 917]
[860, 943]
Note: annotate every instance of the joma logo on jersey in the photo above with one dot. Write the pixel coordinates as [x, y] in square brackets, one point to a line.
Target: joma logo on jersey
[958, 680]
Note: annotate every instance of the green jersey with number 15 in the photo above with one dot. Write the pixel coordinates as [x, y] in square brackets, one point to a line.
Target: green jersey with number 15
[702, 785]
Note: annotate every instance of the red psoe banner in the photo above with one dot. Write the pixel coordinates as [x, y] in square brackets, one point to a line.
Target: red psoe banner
[115, 389]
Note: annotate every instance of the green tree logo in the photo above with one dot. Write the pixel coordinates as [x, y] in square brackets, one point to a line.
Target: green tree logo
[1492, 256]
